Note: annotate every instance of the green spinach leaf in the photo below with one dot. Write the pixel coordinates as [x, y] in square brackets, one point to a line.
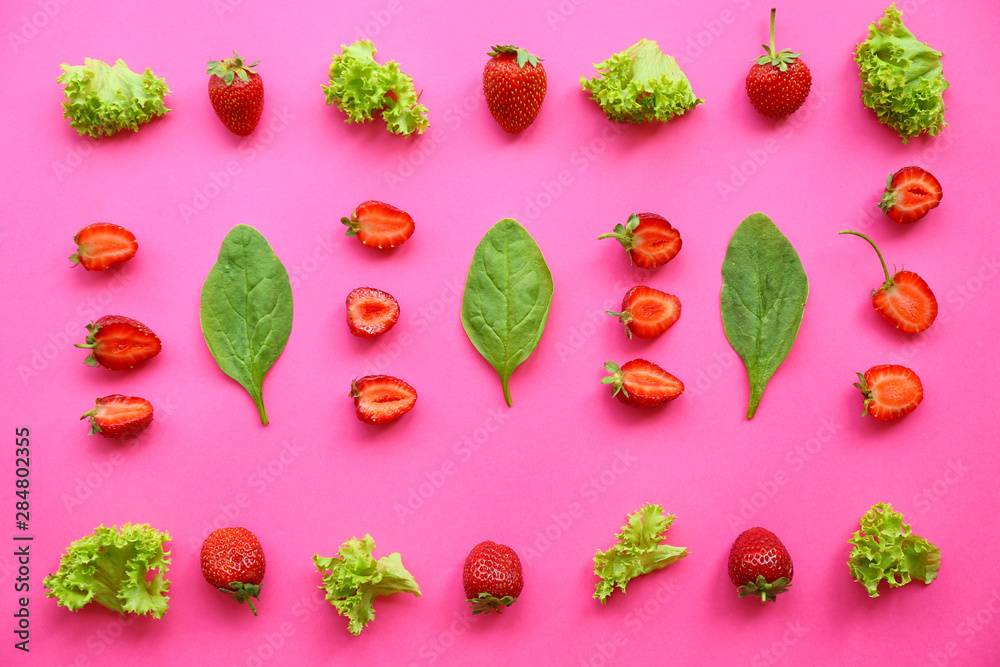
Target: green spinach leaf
[764, 290]
[507, 296]
[246, 310]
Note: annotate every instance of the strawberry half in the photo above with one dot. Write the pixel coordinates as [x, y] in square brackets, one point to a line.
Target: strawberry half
[649, 239]
[102, 245]
[117, 343]
[891, 391]
[909, 194]
[371, 312]
[642, 384]
[759, 564]
[905, 299]
[779, 82]
[514, 85]
[116, 416]
[647, 312]
[379, 225]
[379, 399]
[237, 94]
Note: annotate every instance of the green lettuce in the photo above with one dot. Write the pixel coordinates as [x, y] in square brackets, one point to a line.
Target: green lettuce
[901, 78]
[641, 84]
[111, 567]
[100, 99]
[885, 548]
[353, 579]
[637, 552]
[362, 88]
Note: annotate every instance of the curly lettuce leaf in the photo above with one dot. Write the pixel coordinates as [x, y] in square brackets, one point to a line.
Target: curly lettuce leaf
[111, 567]
[362, 88]
[885, 548]
[641, 84]
[637, 552]
[101, 100]
[353, 579]
[901, 78]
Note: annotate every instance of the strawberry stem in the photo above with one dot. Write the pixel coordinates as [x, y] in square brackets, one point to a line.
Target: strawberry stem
[885, 269]
[773, 48]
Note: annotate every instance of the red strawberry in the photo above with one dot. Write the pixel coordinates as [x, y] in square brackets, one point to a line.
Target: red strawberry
[117, 343]
[237, 94]
[379, 225]
[891, 391]
[102, 245]
[116, 416]
[233, 562]
[647, 312]
[904, 299]
[909, 194]
[514, 84]
[642, 384]
[371, 312]
[648, 238]
[779, 81]
[759, 564]
[379, 399]
[492, 577]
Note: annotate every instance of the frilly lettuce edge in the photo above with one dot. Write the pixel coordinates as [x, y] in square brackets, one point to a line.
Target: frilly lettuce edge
[886, 549]
[100, 100]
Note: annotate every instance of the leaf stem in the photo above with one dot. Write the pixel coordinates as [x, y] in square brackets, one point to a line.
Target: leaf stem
[505, 383]
[885, 269]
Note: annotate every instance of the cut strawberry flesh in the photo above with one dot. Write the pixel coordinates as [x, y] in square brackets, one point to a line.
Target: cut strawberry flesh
[121, 345]
[371, 312]
[648, 385]
[380, 225]
[382, 398]
[648, 312]
[911, 193]
[117, 415]
[908, 303]
[655, 243]
[102, 245]
[892, 391]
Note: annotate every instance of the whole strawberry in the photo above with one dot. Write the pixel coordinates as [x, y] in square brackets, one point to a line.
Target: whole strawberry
[514, 83]
[233, 562]
[492, 577]
[237, 94]
[759, 564]
[779, 81]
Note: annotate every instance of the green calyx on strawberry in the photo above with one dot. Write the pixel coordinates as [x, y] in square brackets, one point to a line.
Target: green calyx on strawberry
[780, 59]
[230, 68]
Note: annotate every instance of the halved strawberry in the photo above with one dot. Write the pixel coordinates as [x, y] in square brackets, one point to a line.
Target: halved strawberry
[117, 343]
[649, 239]
[905, 299]
[379, 225]
[371, 312]
[647, 312]
[379, 399]
[891, 391]
[909, 194]
[115, 415]
[642, 384]
[101, 245]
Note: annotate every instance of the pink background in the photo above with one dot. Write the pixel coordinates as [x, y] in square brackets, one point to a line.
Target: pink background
[555, 475]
